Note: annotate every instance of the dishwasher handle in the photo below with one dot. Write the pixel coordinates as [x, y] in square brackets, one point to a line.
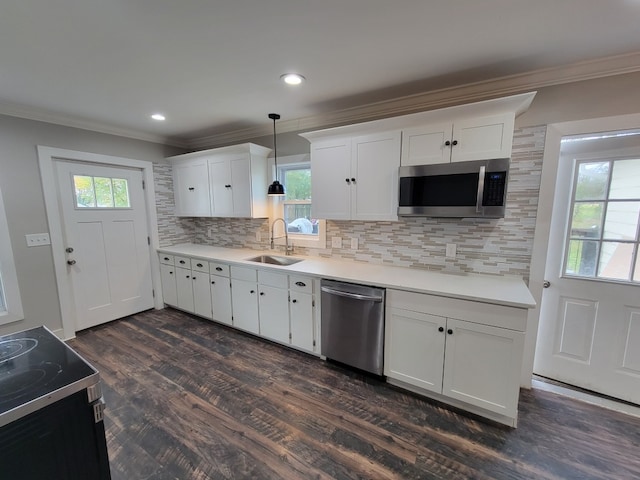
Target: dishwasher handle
[355, 296]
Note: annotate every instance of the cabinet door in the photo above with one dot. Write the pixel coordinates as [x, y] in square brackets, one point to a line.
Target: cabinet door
[221, 299]
[169, 288]
[185, 289]
[220, 185]
[482, 138]
[201, 294]
[302, 315]
[274, 313]
[191, 188]
[375, 161]
[244, 299]
[482, 366]
[331, 180]
[426, 145]
[241, 186]
[414, 348]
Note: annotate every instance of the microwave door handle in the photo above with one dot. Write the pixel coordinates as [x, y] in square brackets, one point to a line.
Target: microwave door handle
[480, 190]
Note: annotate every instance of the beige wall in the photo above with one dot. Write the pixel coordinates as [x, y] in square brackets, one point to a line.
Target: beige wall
[24, 203]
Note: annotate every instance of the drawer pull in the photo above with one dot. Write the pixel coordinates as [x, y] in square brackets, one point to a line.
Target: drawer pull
[182, 262]
[199, 265]
[301, 284]
[166, 259]
[218, 269]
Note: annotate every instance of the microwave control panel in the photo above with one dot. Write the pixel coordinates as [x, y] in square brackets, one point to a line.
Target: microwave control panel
[494, 184]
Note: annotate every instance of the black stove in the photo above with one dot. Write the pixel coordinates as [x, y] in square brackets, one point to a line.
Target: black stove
[36, 369]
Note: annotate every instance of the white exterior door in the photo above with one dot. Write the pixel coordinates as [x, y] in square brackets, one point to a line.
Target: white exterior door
[106, 238]
[589, 332]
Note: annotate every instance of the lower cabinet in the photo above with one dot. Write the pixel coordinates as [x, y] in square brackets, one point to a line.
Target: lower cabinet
[169, 287]
[464, 362]
[273, 306]
[302, 313]
[244, 299]
[220, 293]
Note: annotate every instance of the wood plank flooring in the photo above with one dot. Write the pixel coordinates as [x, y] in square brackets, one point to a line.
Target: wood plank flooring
[191, 399]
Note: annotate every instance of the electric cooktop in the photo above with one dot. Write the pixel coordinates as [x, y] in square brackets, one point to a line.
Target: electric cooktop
[37, 369]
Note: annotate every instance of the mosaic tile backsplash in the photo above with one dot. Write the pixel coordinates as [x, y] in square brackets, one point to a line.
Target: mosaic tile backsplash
[490, 246]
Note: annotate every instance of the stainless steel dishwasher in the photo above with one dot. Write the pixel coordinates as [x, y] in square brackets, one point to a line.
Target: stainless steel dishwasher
[353, 324]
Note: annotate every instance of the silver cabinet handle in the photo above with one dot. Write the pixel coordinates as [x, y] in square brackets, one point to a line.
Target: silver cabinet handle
[480, 190]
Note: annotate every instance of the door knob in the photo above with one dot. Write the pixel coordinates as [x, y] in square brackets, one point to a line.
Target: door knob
[71, 262]
[546, 284]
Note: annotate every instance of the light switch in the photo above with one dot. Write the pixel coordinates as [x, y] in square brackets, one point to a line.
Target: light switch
[38, 239]
[451, 250]
[336, 242]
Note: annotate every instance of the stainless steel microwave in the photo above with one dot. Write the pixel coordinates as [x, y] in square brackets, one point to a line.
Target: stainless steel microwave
[459, 189]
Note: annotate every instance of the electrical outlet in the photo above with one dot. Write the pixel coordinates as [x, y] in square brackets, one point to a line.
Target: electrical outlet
[354, 244]
[336, 242]
[210, 232]
[450, 250]
[258, 236]
[38, 239]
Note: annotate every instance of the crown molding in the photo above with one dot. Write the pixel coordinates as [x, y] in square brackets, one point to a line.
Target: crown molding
[440, 98]
[41, 115]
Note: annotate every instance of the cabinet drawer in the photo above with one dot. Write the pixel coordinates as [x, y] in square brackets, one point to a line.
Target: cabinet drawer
[199, 265]
[502, 316]
[272, 279]
[300, 283]
[219, 269]
[184, 262]
[244, 273]
[166, 259]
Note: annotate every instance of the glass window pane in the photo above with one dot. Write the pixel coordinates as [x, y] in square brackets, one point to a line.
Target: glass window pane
[121, 193]
[592, 181]
[297, 184]
[581, 258]
[615, 260]
[621, 221]
[587, 220]
[104, 195]
[85, 194]
[298, 218]
[625, 179]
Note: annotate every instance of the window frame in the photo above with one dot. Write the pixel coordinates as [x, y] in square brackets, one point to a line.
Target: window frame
[294, 162]
[606, 201]
[13, 310]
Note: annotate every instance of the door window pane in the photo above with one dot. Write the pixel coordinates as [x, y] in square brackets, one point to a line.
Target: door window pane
[582, 257]
[587, 220]
[621, 221]
[615, 260]
[101, 192]
[592, 181]
[625, 180]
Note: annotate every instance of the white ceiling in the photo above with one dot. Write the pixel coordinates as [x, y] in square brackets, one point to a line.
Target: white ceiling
[214, 66]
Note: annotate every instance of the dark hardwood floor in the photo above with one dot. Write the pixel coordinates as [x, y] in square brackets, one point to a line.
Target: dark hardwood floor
[190, 399]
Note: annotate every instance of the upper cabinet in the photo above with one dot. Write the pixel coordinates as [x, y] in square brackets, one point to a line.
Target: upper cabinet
[356, 178]
[222, 182]
[475, 138]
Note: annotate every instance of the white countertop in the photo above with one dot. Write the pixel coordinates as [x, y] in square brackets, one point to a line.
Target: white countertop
[500, 290]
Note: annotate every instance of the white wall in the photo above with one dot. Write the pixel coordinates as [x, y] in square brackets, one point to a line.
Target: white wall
[21, 188]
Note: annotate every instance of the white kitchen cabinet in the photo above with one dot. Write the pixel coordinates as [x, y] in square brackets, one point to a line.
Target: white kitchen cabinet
[244, 299]
[169, 287]
[238, 183]
[273, 305]
[222, 182]
[220, 293]
[302, 313]
[475, 138]
[473, 361]
[191, 188]
[201, 288]
[356, 178]
[184, 286]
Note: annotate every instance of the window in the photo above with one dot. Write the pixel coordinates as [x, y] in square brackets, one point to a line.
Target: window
[604, 223]
[301, 227]
[101, 192]
[10, 302]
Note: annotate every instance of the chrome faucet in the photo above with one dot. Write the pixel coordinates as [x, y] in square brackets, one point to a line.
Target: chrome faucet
[288, 249]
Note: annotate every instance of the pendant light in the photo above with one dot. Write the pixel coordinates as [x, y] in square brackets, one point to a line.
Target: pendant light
[276, 189]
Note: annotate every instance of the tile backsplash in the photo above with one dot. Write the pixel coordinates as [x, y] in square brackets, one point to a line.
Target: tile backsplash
[492, 246]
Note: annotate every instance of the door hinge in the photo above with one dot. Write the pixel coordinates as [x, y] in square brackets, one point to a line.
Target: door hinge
[289, 297]
[148, 240]
[313, 303]
[290, 337]
[153, 293]
[143, 185]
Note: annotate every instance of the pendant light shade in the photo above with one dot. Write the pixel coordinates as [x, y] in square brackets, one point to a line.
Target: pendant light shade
[276, 189]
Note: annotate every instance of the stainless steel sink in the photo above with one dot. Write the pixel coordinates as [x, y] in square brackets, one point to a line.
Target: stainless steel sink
[275, 260]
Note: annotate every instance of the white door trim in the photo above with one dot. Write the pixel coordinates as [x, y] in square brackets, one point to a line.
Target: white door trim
[555, 132]
[46, 159]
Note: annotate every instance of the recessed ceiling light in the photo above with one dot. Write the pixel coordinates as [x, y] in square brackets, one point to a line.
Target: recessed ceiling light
[292, 78]
[158, 117]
